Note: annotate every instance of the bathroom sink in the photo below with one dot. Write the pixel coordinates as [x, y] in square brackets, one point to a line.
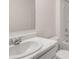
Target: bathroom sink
[24, 49]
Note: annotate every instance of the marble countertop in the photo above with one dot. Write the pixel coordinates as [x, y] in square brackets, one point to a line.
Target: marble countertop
[46, 45]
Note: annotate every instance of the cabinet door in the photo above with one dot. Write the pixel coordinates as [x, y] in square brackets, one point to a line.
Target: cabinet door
[50, 54]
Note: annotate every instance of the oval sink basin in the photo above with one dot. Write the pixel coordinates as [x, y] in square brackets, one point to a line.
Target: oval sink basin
[24, 49]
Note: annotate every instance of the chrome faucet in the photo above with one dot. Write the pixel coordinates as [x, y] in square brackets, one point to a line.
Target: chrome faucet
[15, 41]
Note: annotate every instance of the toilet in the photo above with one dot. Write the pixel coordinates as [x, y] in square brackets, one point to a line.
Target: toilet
[62, 54]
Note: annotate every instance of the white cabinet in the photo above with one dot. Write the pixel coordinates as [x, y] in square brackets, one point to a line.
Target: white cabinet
[50, 54]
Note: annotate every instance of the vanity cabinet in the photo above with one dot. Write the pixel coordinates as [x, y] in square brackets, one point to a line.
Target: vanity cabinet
[50, 54]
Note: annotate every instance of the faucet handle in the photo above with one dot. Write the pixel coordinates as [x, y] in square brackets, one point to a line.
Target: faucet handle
[17, 41]
[10, 41]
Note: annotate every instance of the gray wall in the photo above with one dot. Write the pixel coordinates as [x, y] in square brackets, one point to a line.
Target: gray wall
[46, 18]
[22, 15]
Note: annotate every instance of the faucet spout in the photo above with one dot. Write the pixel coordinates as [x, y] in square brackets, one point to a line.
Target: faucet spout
[17, 41]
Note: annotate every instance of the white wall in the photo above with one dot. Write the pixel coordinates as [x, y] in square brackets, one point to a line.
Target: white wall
[62, 19]
[21, 15]
[46, 18]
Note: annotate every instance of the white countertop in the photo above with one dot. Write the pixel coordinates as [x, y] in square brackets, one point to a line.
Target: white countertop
[46, 45]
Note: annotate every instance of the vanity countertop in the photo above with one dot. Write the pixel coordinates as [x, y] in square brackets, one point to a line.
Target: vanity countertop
[46, 45]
